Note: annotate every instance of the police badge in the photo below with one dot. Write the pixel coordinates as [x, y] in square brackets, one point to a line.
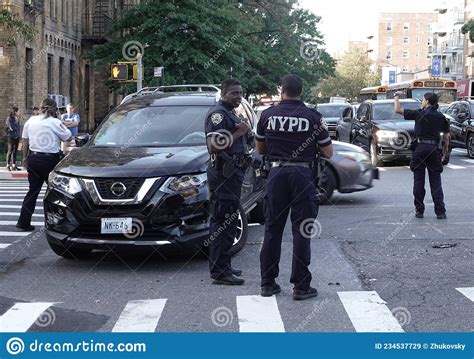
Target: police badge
[217, 118]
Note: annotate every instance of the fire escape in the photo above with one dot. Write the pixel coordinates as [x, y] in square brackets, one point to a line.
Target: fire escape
[97, 22]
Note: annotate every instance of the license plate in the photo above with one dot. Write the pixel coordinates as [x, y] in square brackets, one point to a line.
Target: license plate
[116, 225]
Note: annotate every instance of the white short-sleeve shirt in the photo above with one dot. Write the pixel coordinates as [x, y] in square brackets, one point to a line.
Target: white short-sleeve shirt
[45, 134]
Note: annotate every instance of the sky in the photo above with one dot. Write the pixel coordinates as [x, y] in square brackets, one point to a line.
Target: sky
[353, 20]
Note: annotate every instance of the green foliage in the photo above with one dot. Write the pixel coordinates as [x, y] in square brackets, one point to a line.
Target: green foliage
[10, 21]
[196, 41]
[469, 28]
[352, 74]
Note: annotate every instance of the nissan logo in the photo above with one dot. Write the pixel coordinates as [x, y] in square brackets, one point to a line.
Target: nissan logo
[118, 189]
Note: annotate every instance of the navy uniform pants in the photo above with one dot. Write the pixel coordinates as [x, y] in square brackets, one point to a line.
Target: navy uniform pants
[427, 156]
[39, 167]
[288, 188]
[224, 208]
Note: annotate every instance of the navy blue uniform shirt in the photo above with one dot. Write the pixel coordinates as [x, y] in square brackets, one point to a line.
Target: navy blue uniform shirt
[221, 119]
[429, 123]
[292, 132]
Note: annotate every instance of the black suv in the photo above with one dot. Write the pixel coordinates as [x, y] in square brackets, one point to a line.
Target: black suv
[140, 180]
[383, 133]
[461, 121]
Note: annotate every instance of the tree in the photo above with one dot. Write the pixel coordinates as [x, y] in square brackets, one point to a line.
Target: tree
[469, 28]
[260, 42]
[352, 74]
[11, 22]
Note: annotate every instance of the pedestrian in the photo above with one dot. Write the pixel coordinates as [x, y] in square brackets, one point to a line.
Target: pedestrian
[291, 136]
[71, 119]
[429, 149]
[42, 136]
[36, 111]
[13, 138]
[226, 141]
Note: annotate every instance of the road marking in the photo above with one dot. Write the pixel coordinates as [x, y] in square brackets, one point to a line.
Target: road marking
[259, 314]
[458, 150]
[12, 223]
[368, 312]
[22, 316]
[140, 316]
[14, 234]
[468, 160]
[468, 292]
[382, 169]
[455, 167]
[17, 207]
[18, 191]
[5, 245]
[17, 214]
[17, 195]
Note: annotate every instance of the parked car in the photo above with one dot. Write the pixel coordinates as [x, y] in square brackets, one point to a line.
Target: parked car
[332, 113]
[461, 122]
[140, 180]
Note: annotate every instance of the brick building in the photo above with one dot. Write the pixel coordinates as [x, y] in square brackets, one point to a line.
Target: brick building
[404, 39]
[468, 46]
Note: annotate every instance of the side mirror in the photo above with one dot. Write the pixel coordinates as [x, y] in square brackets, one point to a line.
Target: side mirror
[81, 140]
[346, 119]
[347, 112]
[462, 116]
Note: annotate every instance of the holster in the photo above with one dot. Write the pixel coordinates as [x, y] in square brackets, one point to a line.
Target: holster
[413, 144]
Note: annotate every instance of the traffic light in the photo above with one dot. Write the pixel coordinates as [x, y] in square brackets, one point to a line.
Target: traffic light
[119, 72]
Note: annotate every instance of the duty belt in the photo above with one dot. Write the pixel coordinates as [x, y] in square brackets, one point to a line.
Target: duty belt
[291, 164]
[432, 142]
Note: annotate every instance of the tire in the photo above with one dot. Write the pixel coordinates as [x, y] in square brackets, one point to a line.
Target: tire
[374, 158]
[241, 234]
[470, 145]
[69, 253]
[327, 184]
[257, 215]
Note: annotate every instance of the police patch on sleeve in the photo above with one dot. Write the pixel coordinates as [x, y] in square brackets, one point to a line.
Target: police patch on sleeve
[217, 118]
[324, 123]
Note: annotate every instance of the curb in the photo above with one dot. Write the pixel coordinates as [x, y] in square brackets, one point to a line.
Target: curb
[7, 175]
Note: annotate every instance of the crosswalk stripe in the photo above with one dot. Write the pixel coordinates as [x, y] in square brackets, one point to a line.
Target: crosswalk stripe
[140, 316]
[13, 234]
[468, 160]
[12, 223]
[458, 150]
[14, 187]
[455, 167]
[368, 312]
[17, 214]
[5, 245]
[259, 314]
[19, 206]
[10, 195]
[22, 316]
[468, 292]
[18, 191]
[382, 169]
[12, 200]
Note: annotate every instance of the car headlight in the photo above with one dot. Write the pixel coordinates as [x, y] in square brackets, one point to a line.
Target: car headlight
[354, 156]
[64, 183]
[386, 134]
[185, 185]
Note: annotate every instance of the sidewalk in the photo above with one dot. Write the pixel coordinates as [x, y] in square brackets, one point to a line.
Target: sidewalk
[12, 175]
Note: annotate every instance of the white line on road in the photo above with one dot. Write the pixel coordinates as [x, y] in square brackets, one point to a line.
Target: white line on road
[18, 191]
[17, 195]
[382, 169]
[140, 316]
[14, 234]
[259, 314]
[458, 150]
[22, 316]
[368, 312]
[468, 292]
[455, 167]
[17, 207]
[5, 245]
[12, 223]
[17, 214]
[468, 160]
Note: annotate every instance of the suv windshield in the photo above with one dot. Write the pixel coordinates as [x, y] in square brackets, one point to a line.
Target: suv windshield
[331, 110]
[384, 111]
[154, 126]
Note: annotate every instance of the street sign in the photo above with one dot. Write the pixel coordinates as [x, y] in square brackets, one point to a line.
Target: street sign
[158, 71]
[119, 72]
[436, 67]
[392, 77]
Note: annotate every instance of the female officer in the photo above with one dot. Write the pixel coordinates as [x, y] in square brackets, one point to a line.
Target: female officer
[429, 123]
[42, 136]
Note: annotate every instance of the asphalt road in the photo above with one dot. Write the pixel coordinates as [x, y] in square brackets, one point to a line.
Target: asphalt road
[376, 267]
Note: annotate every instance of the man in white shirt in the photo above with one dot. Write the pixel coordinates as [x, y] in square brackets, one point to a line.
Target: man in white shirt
[71, 120]
[42, 136]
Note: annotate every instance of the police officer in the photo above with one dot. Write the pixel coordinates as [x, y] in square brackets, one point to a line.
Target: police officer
[429, 123]
[42, 136]
[226, 141]
[291, 137]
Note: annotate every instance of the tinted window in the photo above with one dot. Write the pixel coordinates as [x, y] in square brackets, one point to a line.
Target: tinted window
[445, 96]
[331, 111]
[154, 126]
[384, 111]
